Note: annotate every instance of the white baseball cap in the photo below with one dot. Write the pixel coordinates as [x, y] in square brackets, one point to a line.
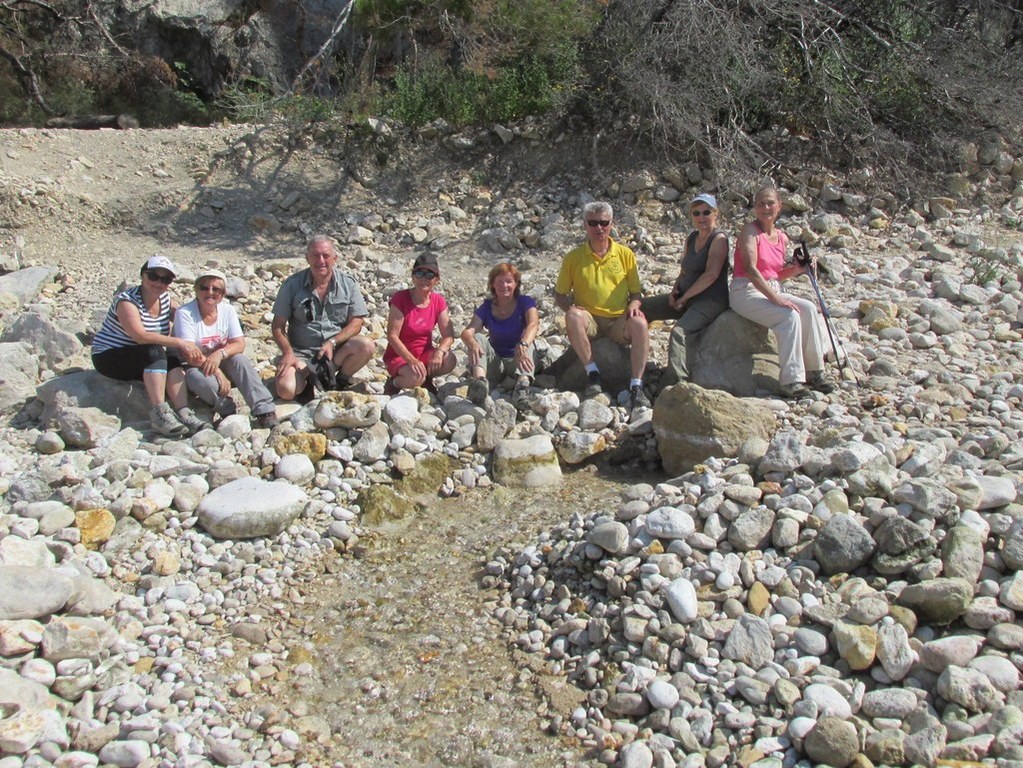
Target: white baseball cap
[705, 198]
[158, 261]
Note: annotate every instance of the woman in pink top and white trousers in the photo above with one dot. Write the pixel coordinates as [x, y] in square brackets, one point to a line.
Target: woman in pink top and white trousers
[756, 294]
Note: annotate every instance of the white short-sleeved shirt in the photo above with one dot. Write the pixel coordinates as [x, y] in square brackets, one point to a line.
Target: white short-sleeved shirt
[188, 324]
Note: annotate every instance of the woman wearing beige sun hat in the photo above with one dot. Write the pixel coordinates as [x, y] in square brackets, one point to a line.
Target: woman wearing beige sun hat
[213, 325]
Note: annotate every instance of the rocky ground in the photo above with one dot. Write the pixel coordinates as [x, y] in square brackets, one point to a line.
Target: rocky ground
[392, 603]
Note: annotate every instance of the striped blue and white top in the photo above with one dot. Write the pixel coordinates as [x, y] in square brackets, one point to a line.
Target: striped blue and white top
[112, 334]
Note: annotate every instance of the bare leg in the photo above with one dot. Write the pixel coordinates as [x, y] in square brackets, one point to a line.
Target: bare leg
[353, 355]
[156, 386]
[639, 341]
[577, 323]
[291, 381]
[176, 392]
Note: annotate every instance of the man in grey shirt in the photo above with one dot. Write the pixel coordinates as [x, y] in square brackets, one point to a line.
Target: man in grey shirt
[319, 313]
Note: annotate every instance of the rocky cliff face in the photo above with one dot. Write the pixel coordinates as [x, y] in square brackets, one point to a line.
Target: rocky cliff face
[218, 43]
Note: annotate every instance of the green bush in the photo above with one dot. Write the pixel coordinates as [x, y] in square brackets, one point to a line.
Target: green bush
[463, 97]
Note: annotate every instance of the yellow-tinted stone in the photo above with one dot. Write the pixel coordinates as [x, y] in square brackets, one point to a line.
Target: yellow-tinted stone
[311, 444]
[857, 644]
[758, 599]
[96, 526]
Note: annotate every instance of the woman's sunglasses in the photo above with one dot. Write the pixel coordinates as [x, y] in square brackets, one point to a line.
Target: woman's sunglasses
[160, 277]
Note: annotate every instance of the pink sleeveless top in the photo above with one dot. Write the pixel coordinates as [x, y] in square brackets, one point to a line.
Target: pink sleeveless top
[770, 257]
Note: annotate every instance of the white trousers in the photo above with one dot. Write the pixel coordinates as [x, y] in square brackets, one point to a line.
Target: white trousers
[799, 334]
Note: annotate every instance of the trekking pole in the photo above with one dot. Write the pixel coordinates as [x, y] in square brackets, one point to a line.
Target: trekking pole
[802, 256]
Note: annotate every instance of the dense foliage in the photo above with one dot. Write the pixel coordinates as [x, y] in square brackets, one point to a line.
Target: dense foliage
[705, 79]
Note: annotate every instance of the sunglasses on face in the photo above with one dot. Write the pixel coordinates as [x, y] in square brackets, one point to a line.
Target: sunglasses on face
[702, 213]
[216, 290]
[599, 223]
[160, 277]
[423, 274]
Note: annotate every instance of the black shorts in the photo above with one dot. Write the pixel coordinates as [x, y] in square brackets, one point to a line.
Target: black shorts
[129, 363]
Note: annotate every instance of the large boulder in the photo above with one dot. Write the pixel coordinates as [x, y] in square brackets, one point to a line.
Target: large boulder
[692, 423]
[249, 507]
[611, 358]
[25, 284]
[85, 427]
[19, 373]
[530, 462]
[734, 354]
[53, 346]
[87, 389]
[29, 593]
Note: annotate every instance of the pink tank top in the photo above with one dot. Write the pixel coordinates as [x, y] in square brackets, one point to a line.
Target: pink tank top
[770, 256]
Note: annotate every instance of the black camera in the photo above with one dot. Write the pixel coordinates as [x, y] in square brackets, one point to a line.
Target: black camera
[323, 374]
[802, 254]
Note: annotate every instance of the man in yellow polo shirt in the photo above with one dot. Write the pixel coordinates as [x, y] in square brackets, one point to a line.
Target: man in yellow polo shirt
[598, 287]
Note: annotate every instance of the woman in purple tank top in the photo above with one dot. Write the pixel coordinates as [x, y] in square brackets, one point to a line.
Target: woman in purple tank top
[511, 322]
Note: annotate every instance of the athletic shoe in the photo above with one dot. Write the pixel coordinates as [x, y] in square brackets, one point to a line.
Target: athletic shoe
[593, 387]
[267, 420]
[819, 380]
[478, 391]
[792, 391]
[189, 418]
[390, 388]
[164, 422]
[638, 397]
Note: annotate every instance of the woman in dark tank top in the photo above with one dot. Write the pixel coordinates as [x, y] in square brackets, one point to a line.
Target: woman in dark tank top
[700, 292]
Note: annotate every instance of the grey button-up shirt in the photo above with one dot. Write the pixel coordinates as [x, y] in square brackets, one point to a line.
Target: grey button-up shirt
[310, 321]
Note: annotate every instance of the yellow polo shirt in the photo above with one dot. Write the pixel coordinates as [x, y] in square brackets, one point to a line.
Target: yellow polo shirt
[601, 286]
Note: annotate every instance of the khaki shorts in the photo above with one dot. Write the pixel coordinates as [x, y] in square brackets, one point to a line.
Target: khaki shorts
[611, 327]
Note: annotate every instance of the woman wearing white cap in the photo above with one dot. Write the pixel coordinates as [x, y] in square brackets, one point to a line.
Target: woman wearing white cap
[132, 343]
[213, 325]
[700, 292]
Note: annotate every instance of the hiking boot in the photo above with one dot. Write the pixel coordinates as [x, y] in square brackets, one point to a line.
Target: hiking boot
[794, 390]
[520, 395]
[164, 422]
[267, 420]
[819, 380]
[390, 388]
[478, 391]
[593, 387]
[224, 407]
[638, 397]
[341, 382]
[189, 418]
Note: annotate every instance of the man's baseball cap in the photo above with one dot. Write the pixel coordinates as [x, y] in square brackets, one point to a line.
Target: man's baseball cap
[158, 261]
[427, 261]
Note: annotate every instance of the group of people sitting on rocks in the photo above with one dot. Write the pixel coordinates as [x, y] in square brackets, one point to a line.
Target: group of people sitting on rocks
[319, 312]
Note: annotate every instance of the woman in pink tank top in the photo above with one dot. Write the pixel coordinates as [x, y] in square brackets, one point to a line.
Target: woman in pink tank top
[756, 294]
